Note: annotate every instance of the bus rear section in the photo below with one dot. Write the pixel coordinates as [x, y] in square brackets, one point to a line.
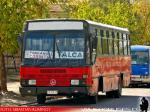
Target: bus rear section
[140, 64]
[63, 58]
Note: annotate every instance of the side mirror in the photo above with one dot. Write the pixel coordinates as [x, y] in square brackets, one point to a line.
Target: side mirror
[94, 42]
[93, 55]
[20, 40]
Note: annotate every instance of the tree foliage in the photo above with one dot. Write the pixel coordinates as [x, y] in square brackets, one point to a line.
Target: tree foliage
[141, 34]
[121, 13]
[13, 14]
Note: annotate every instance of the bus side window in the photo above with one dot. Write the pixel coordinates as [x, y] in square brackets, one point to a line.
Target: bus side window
[116, 45]
[107, 36]
[104, 44]
[125, 44]
[110, 43]
[128, 44]
[120, 44]
[102, 35]
[118, 37]
[113, 48]
[99, 48]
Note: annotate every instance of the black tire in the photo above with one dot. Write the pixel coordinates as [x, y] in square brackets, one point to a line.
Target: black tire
[130, 85]
[110, 94]
[148, 85]
[118, 92]
[134, 85]
[93, 99]
[41, 99]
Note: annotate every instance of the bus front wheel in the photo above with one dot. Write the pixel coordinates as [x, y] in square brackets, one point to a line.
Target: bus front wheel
[41, 99]
[93, 99]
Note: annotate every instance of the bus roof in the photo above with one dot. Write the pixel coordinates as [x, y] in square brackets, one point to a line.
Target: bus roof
[88, 21]
[140, 48]
[107, 26]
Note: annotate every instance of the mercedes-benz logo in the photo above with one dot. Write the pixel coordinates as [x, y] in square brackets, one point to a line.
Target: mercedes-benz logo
[52, 82]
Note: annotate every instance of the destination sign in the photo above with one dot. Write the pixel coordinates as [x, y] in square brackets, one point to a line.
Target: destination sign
[69, 55]
[49, 54]
[38, 54]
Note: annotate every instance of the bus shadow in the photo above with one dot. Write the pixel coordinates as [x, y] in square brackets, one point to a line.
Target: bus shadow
[127, 102]
[140, 86]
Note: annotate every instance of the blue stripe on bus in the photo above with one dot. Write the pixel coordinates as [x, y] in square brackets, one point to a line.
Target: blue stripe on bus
[140, 69]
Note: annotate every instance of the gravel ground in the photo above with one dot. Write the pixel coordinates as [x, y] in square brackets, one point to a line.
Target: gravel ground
[13, 97]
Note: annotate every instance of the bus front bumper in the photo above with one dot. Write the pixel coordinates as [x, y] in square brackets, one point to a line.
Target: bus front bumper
[53, 91]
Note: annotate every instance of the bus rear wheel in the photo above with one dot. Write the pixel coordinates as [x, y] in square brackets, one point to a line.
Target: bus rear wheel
[41, 99]
[118, 92]
[110, 94]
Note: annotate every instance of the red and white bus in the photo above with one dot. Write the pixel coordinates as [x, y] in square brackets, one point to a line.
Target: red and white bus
[73, 58]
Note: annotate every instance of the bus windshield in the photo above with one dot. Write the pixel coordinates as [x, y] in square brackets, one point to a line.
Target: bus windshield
[69, 46]
[45, 48]
[140, 57]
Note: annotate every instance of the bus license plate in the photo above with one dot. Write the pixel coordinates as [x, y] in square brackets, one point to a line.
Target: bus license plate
[52, 92]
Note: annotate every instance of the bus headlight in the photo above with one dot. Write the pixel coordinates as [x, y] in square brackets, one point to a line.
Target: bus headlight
[32, 82]
[85, 76]
[75, 82]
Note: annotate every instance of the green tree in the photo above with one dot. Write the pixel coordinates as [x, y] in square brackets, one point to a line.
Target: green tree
[142, 28]
[135, 16]
[122, 15]
[13, 13]
[84, 10]
[115, 13]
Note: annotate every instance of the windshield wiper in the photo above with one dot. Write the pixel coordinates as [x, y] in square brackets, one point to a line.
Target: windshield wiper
[58, 50]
